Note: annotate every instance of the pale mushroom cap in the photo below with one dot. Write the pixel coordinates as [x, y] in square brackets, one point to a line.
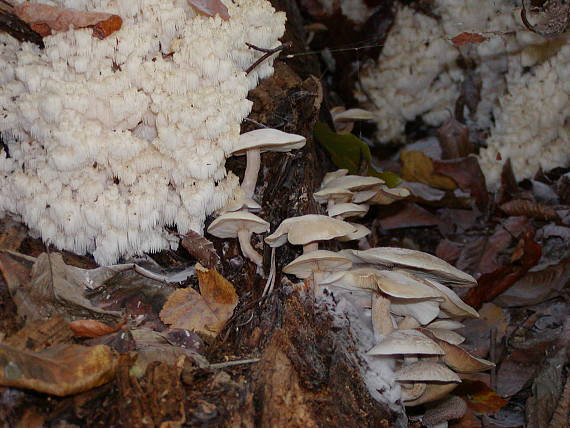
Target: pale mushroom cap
[355, 182]
[363, 196]
[412, 391]
[228, 224]
[317, 261]
[361, 232]
[446, 324]
[423, 263]
[452, 303]
[268, 139]
[352, 114]
[386, 196]
[402, 284]
[423, 311]
[426, 371]
[406, 342]
[334, 194]
[347, 209]
[308, 228]
[329, 176]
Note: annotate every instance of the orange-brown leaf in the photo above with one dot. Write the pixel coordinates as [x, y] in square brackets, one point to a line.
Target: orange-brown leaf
[480, 398]
[520, 207]
[92, 328]
[46, 19]
[465, 38]
[205, 312]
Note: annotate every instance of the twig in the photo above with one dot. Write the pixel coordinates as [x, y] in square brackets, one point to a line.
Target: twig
[493, 356]
[267, 54]
[233, 363]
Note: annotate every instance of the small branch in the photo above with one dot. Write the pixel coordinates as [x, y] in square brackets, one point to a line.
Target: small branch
[14, 26]
[232, 363]
[267, 54]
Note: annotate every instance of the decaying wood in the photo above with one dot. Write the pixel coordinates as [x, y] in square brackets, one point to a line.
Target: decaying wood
[17, 28]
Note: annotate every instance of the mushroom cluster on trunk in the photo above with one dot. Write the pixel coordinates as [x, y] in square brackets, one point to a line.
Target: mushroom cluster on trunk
[412, 311]
[236, 220]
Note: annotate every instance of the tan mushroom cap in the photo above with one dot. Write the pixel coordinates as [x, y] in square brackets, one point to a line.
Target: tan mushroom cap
[363, 196]
[268, 139]
[330, 176]
[335, 194]
[418, 261]
[413, 390]
[229, 224]
[355, 182]
[308, 228]
[452, 304]
[386, 195]
[434, 391]
[426, 371]
[361, 232]
[406, 342]
[317, 261]
[458, 358]
[347, 209]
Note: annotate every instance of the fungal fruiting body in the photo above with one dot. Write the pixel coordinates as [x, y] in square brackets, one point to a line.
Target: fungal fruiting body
[111, 141]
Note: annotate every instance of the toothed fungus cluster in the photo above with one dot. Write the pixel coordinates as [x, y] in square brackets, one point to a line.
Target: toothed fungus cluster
[112, 141]
[514, 81]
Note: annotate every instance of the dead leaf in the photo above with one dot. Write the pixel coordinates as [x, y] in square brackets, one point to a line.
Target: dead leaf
[211, 8]
[92, 328]
[493, 284]
[38, 335]
[205, 312]
[201, 249]
[554, 230]
[465, 38]
[53, 288]
[12, 233]
[416, 166]
[520, 207]
[537, 285]
[411, 215]
[467, 173]
[46, 19]
[469, 420]
[448, 250]
[454, 140]
[480, 398]
[59, 370]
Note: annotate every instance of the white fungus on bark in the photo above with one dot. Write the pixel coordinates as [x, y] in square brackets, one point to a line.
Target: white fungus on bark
[113, 140]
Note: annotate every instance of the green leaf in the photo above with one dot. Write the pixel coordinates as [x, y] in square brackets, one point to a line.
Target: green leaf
[348, 151]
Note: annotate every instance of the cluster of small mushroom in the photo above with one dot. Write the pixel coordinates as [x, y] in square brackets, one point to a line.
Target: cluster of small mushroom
[412, 311]
[351, 195]
[236, 220]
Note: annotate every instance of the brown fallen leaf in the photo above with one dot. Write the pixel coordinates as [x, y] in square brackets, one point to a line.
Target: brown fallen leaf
[454, 140]
[46, 19]
[411, 215]
[201, 249]
[416, 166]
[465, 38]
[92, 328]
[38, 335]
[519, 207]
[12, 233]
[467, 173]
[493, 284]
[211, 8]
[205, 312]
[60, 370]
[479, 397]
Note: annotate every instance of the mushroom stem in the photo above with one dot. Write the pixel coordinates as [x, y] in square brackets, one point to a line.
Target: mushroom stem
[244, 237]
[381, 318]
[310, 247]
[253, 162]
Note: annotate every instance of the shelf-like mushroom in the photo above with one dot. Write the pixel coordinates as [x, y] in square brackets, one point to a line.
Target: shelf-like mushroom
[240, 224]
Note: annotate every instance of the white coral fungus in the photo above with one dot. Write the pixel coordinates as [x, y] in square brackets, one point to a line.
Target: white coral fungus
[111, 141]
